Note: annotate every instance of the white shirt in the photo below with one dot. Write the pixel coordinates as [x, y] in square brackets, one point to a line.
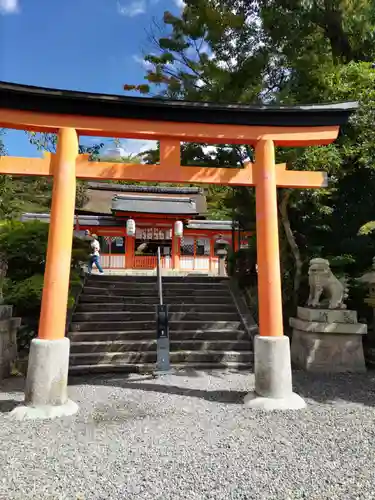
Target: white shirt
[95, 247]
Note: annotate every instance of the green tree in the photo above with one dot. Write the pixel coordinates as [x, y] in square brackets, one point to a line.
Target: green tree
[8, 198]
[47, 142]
[285, 52]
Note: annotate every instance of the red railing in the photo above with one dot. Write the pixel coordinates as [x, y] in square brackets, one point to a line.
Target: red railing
[145, 261]
[150, 262]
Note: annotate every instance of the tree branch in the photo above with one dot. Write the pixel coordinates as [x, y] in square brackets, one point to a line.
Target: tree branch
[283, 209]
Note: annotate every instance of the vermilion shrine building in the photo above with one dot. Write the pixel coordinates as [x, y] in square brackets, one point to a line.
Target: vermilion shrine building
[155, 210]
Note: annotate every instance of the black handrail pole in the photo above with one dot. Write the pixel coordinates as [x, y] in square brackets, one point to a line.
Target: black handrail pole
[162, 345]
[158, 273]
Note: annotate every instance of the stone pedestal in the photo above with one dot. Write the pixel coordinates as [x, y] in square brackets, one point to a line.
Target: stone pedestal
[326, 340]
[8, 340]
[273, 376]
[46, 392]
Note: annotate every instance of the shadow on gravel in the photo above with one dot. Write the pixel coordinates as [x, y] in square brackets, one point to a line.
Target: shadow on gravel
[229, 397]
[7, 405]
[331, 388]
[225, 396]
[9, 386]
[322, 388]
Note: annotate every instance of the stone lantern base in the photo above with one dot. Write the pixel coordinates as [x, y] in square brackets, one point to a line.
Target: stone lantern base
[326, 340]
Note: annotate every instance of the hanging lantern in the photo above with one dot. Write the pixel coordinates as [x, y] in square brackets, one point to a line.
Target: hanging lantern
[178, 229]
[130, 227]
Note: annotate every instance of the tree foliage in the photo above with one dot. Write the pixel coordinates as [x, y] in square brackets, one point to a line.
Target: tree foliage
[48, 142]
[20, 194]
[283, 52]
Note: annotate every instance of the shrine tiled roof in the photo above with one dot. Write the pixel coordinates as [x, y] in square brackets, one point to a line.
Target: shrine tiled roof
[105, 198]
[102, 221]
[154, 205]
[134, 188]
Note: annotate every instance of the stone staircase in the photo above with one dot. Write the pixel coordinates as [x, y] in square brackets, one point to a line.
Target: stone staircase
[114, 325]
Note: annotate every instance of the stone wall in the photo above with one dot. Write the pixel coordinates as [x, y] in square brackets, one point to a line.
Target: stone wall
[8, 340]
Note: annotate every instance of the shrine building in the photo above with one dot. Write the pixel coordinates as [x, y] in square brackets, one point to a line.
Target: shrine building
[172, 218]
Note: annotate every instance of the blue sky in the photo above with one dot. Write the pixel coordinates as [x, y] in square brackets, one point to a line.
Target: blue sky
[89, 45]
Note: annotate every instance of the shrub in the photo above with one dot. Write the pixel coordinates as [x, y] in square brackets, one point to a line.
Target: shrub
[25, 295]
[23, 246]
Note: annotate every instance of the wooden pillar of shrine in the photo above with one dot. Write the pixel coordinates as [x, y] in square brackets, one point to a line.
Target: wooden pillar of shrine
[176, 241]
[212, 252]
[269, 281]
[47, 376]
[130, 249]
[59, 251]
[272, 363]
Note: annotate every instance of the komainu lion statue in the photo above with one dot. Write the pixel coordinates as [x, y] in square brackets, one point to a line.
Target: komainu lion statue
[322, 280]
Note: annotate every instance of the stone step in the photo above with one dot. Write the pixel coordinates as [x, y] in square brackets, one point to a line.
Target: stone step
[135, 335]
[152, 279]
[150, 357]
[84, 369]
[103, 283]
[151, 325]
[173, 308]
[151, 346]
[172, 299]
[153, 292]
[110, 316]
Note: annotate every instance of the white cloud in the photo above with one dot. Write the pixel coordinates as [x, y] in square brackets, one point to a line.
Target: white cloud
[142, 62]
[9, 7]
[135, 146]
[135, 8]
[146, 64]
[132, 146]
[180, 4]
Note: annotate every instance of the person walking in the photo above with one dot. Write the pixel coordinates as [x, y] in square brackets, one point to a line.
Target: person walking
[95, 255]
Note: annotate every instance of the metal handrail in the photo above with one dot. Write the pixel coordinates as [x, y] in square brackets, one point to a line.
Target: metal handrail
[162, 346]
[159, 277]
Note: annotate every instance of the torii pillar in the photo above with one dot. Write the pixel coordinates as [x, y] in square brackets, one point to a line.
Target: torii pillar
[272, 363]
[47, 375]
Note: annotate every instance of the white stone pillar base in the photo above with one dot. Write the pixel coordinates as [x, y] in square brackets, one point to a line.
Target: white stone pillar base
[46, 391]
[273, 376]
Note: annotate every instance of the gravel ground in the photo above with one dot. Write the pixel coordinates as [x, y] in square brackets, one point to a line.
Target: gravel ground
[187, 436]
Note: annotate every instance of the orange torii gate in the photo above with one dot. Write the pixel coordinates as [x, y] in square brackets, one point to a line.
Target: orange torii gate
[73, 114]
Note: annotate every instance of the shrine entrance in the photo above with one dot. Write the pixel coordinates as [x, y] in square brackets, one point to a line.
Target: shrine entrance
[147, 241]
[74, 114]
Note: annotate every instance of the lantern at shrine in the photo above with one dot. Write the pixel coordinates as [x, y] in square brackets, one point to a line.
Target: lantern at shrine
[178, 229]
[130, 227]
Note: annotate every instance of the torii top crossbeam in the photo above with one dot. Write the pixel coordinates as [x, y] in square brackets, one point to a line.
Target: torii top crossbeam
[48, 110]
[71, 114]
